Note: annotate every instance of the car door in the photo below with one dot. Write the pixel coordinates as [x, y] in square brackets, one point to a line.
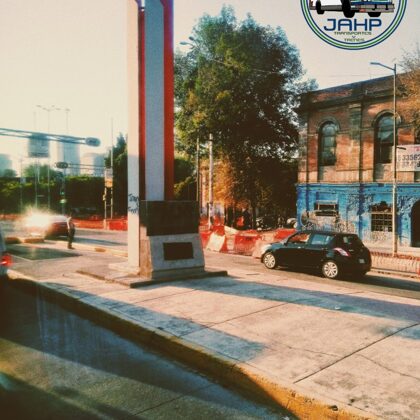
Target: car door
[293, 252]
[316, 248]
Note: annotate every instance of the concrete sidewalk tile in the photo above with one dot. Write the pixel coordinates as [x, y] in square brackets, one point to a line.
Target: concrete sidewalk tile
[227, 343]
[294, 333]
[388, 353]
[363, 384]
[132, 296]
[208, 308]
[154, 319]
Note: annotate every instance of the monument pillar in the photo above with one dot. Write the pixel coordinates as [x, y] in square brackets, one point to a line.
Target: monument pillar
[163, 237]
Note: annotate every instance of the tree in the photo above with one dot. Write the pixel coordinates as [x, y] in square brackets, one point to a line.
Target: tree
[120, 188]
[411, 84]
[240, 82]
[9, 173]
[185, 181]
[41, 172]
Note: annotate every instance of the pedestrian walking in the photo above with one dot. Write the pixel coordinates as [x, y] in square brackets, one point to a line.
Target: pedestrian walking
[71, 230]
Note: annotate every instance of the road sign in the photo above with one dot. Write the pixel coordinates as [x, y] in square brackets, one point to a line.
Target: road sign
[108, 174]
[408, 158]
[38, 146]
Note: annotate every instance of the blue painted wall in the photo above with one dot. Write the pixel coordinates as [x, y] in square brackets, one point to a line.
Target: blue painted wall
[354, 202]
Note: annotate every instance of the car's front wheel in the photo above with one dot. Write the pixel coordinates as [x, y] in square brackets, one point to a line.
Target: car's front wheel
[270, 260]
[374, 14]
[330, 269]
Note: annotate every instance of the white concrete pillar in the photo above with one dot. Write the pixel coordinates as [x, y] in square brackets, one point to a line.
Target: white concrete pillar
[155, 100]
[133, 143]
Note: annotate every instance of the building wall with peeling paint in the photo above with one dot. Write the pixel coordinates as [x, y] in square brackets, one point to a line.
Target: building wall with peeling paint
[351, 194]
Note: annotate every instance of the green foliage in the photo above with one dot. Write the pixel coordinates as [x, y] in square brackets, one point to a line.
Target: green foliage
[9, 173]
[410, 86]
[183, 168]
[80, 191]
[185, 181]
[41, 172]
[120, 174]
[240, 82]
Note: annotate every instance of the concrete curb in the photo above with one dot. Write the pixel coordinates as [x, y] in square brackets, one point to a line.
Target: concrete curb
[239, 376]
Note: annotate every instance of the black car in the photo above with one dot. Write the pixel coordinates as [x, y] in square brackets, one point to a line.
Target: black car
[333, 253]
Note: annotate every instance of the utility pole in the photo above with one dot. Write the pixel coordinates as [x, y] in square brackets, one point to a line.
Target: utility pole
[112, 168]
[210, 215]
[197, 176]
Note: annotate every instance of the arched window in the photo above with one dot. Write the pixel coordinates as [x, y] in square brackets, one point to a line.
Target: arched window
[327, 144]
[384, 139]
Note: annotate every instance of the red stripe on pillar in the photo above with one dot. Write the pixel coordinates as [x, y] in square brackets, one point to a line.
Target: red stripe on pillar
[169, 97]
[142, 107]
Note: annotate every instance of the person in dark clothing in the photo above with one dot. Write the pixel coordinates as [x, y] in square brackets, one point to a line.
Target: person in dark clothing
[71, 230]
[247, 219]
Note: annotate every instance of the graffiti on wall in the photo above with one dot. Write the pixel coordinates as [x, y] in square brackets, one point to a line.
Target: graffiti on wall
[133, 204]
[312, 221]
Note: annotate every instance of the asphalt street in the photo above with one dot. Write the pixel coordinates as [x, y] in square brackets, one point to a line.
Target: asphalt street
[54, 364]
[373, 282]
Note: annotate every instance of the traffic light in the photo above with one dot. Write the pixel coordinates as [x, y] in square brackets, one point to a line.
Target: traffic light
[61, 165]
[92, 141]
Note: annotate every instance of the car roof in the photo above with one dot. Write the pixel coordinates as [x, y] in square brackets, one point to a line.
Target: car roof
[327, 232]
[57, 217]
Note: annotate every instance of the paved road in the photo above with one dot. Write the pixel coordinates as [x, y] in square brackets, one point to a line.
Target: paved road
[54, 364]
[384, 284]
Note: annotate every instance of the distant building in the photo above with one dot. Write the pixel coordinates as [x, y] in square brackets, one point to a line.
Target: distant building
[93, 164]
[345, 168]
[70, 153]
[5, 164]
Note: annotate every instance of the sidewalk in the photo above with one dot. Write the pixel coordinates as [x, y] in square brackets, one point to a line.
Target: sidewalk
[320, 351]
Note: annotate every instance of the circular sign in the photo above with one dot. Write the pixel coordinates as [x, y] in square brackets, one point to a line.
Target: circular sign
[353, 25]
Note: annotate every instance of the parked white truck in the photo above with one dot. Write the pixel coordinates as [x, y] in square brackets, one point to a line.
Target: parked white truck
[373, 8]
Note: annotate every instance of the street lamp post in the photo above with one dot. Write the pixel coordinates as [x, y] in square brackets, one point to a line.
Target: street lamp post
[48, 110]
[394, 161]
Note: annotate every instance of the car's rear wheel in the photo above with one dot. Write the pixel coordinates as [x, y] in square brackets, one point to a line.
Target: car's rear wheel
[374, 14]
[330, 269]
[270, 260]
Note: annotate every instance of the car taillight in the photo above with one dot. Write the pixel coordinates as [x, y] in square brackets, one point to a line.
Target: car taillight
[342, 252]
[6, 260]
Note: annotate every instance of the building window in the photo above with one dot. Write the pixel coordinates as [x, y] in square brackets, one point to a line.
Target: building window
[384, 139]
[381, 216]
[325, 209]
[327, 144]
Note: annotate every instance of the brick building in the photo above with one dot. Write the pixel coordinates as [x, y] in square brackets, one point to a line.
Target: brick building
[345, 168]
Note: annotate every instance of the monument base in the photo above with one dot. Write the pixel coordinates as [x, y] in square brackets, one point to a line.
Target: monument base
[166, 256]
[170, 244]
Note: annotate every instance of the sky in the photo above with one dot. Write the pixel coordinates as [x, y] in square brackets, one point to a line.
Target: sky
[72, 54]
